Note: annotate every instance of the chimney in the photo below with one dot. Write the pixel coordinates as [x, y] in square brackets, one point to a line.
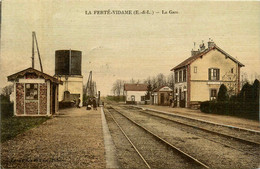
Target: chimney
[211, 43]
[202, 46]
[194, 52]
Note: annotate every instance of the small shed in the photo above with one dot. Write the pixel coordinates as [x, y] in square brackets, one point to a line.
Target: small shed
[162, 95]
[35, 93]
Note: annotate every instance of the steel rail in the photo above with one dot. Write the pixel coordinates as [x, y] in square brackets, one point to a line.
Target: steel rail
[199, 120]
[129, 140]
[164, 141]
[205, 130]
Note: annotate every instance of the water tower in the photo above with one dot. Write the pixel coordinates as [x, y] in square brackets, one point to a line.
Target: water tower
[68, 69]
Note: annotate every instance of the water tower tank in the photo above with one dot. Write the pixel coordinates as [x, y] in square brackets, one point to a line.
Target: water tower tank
[68, 62]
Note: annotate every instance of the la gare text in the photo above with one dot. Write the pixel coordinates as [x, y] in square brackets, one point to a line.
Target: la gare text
[129, 12]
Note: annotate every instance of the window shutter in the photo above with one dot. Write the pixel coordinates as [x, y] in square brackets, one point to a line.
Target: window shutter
[217, 74]
[209, 74]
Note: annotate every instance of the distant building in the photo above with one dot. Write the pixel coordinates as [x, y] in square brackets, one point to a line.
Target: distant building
[162, 96]
[199, 77]
[135, 93]
[36, 93]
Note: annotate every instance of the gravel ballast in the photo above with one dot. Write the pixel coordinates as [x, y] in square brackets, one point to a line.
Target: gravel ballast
[73, 139]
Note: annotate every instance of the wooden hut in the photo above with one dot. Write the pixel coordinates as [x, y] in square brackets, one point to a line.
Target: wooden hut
[35, 93]
[162, 95]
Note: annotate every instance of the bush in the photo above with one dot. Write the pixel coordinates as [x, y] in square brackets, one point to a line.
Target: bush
[116, 98]
[238, 109]
[6, 106]
[7, 110]
[222, 94]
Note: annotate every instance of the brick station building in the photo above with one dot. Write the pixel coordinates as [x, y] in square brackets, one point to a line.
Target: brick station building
[35, 93]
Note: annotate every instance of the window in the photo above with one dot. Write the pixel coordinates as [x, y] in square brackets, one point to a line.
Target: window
[142, 98]
[31, 91]
[180, 76]
[213, 94]
[184, 75]
[195, 69]
[232, 70]
[213, 74]
[176, 77]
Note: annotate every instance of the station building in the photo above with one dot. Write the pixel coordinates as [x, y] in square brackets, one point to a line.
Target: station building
[198, 78]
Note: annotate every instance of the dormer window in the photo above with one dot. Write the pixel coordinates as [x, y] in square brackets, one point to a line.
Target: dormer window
[213, 74]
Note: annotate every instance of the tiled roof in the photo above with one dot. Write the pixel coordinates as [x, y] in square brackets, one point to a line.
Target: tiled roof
[160, 87]
[135, 87]
[193, 58]
[15, 76]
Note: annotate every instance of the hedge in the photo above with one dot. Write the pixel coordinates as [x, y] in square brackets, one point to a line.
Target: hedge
[6, 110]
[249, 110]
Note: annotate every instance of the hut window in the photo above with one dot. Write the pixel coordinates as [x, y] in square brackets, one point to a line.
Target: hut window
[31, 91]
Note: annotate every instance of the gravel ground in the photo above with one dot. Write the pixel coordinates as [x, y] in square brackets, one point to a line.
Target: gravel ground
[228, 131]
[228, 120]
[156, 153]
[73, 139]
[127, 156]
[211, 153]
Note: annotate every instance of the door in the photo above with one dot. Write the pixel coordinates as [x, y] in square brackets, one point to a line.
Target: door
[162, 99]
[132, 99]
[53, 99]
[183, 99]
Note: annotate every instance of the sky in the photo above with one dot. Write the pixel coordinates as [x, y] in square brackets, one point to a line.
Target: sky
[121, 46]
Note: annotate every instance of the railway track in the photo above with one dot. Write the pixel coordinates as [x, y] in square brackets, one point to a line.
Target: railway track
[195, 123]
[255, 132]
[155, 151]
[231, 139]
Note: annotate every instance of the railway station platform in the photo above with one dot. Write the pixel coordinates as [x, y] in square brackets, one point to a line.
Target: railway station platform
[74, 138]
[214, 118]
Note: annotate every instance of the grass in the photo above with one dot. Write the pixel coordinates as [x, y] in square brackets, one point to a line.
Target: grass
[12, 126]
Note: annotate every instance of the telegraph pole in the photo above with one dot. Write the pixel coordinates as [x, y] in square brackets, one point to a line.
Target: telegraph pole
[38, 51]
[33, 50]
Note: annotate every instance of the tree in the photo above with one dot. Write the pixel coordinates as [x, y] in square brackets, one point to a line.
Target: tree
[170, 81]
[7, 90]
[222, 94]
[118, 87]
[246, 93]
[161, 79]
[230, 81]
[149, 91]
[256, 91]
